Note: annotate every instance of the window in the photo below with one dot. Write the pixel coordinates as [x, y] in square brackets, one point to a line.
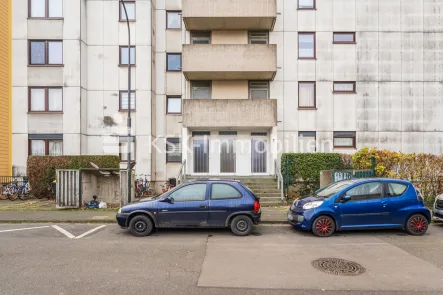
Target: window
[193, 192]
[124, 100]
[124, 149]
[174, 62]
[45, 99]
[45, 9]
[306, 95]
[306, 45]
[396, 189]
[344, 87]
[173, 20]
[366, 191]
[173, 150]
[174, 105]
[258, 37]
[224, 191]
[258, 89]
[199, 37]
[306, 142]
[344, 38]
[344, 139]
[46, 53]
[306, 4]
[130, 10]
[124, 54]
[201, 89]
[45, 144]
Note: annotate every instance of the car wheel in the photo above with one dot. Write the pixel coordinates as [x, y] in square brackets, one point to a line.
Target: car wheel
[141, 226]
[323, 226]
[241, 225]
[417, 225]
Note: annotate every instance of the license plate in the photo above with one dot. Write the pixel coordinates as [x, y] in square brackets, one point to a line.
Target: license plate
[290, 217]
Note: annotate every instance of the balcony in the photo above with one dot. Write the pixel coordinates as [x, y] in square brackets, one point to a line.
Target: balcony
[229, 14]
[236, 113]
[230, 62]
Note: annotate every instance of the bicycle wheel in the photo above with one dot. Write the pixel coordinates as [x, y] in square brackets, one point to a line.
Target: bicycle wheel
[3, 196]
[13, 196]
[23, 196]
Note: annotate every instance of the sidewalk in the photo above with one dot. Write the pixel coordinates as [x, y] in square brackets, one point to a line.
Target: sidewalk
[269, 215]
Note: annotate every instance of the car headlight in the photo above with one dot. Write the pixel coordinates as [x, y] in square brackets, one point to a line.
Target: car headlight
[312, 205]
[119, 211]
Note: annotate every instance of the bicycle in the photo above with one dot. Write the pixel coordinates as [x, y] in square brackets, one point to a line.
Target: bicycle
[24, 191]
[10, 191]
[142, 187]
[166, 187]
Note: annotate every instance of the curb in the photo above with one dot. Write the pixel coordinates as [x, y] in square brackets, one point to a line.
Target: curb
[98, 221]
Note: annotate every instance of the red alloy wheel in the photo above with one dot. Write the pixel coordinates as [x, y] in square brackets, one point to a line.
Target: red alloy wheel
[418, 224]
[324, 226]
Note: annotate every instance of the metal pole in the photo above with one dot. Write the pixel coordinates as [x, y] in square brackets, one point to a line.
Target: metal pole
[129, 171]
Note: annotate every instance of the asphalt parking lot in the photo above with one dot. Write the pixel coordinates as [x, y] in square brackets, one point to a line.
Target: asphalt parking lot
[275, 259]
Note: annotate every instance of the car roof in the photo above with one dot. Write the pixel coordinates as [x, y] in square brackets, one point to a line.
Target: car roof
[213, 180]
[361, 180]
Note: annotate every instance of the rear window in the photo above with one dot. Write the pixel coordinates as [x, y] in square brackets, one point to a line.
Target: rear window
[224, 191]
[396, 189]
[249, 190]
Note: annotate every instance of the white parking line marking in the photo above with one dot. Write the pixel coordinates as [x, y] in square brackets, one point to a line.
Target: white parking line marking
[91, 231]
[66, 233]
[18, 229]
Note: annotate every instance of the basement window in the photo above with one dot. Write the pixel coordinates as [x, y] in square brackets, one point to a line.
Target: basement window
[173, 150]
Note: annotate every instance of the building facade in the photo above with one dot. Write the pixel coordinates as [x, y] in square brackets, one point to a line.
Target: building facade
[5, 87]
[225, 86]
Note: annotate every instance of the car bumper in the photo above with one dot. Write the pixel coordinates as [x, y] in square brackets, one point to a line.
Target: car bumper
[438, 215]
[122, 219]
[300, 219]
[256, 218]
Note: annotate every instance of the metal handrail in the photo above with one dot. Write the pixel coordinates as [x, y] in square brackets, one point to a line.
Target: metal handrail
[182, 173]
[279, 176]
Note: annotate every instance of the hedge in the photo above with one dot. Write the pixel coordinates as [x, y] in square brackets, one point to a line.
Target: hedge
[41, 169]
[304, 169]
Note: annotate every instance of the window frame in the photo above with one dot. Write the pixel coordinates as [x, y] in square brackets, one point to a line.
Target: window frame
[382, 194]
[314, 7]
[353, 91]
[212, 188]
[46, 140]
[30, 88]
[122, 141]
[252, 38]
[315, 45]
[120, 56]
[386, 187]
[168, 140]
[133, 107]
[46, 11]
[344, 42]
[121, 10]
[251, 88]
[196, 32]
[315, 95]
[300, 135]
[179, 12]
[206, 193]
[46, 64]
[167, 62]
[167, 105]
[192, 92]
[354, 140]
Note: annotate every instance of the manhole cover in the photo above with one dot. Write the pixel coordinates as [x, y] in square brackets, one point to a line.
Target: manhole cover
[339, 267]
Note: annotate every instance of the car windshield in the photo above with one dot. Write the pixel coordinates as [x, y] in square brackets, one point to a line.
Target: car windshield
[332, 189]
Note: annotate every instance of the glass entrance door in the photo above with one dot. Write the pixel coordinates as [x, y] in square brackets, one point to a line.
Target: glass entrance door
[259, 155]
[227, 156]
[201, 155]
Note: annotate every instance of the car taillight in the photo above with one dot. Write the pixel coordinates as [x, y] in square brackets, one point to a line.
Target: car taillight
[257, 207]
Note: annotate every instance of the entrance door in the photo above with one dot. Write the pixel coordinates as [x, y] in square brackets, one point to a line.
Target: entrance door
[201, 155]
[259, 157]
[227, 156]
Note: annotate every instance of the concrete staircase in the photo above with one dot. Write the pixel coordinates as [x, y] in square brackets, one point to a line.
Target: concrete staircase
[264, 187]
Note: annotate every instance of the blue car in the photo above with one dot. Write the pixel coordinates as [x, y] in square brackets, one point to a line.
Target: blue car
[361, 204]
[208, 203]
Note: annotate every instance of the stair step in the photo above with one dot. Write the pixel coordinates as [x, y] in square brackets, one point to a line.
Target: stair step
[258, 191]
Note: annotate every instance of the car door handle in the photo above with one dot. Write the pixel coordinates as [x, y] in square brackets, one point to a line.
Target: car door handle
[203, 207]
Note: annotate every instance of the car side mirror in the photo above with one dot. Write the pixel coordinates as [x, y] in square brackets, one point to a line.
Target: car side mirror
[168, 200]
[345, 198]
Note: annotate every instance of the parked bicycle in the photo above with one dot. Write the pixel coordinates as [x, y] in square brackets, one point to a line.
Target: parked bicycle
[143, 187]
[13, 190]
[167, 186]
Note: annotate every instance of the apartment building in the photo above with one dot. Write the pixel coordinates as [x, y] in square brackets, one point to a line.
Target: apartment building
[5, 87]
[225, 86]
